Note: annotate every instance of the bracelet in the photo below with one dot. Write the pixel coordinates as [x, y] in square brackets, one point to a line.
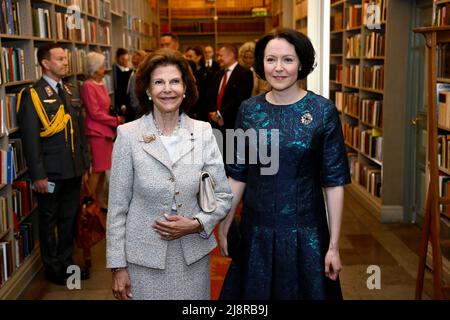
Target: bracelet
[200, 223]
[114, 270]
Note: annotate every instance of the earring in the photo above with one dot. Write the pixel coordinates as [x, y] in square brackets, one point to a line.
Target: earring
[184, 95]
[150, 98]
[148, 94]
[300, 68]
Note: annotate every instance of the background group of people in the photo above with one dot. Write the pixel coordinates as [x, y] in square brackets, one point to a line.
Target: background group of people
[165, 106]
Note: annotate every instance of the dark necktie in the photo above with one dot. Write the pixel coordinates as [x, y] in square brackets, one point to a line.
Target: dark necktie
[61, 94]
[222, 90]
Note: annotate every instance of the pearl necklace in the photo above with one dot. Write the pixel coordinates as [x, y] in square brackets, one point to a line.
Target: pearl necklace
[160, 133]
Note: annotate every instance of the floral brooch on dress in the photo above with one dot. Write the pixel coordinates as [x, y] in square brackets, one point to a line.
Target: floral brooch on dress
[306, 119]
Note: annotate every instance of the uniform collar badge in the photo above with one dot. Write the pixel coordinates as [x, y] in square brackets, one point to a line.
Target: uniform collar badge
[49, 91]
[67, 89]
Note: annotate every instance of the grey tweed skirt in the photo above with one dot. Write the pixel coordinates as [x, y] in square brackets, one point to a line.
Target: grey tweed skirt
[177, 282]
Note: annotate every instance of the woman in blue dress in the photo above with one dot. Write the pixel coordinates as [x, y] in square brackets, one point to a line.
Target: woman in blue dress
[289, 246]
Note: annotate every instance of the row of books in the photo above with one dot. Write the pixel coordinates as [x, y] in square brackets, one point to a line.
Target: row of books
[8, 113]
[374, 45]
[372, 144]
[351, 75]
[20, 164]
[4, 223]
[6, 261]
[443, 60]
[353, 16]
[23, 242]
[348, 102]
[351, 134]
[41, 23]
[73, 31]
[373, 77]
[368, 176]
[444, 151]
[369, 111]
[10, 17]
[7, 166]
[23, 201]
[98, 8]
[98, 33]
[353, 46]
[136, 24]
[444, 192]
[372, 112]
[441, 13]
[336, 72]
[336, 21]
[254, 26]
[444, 107]
[12, 64]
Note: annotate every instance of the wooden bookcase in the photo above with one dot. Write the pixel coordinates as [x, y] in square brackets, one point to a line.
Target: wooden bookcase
[199, 22]
[437, 207]
[367, 79]
[95, 25]
[301, 16]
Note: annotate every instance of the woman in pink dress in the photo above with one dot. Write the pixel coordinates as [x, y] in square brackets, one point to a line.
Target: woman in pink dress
[100, 125]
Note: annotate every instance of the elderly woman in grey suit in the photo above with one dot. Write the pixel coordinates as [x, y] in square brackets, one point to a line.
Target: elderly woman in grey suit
[158, 238]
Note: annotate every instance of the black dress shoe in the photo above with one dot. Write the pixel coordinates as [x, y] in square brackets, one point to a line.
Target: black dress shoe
[55, 278]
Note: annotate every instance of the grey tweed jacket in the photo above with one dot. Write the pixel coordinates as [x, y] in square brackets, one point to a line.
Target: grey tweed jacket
[144, 182]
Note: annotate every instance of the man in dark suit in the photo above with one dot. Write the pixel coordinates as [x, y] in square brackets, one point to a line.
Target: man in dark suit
[57, 156]
[230, 86]
[121, 76]
[210, 63]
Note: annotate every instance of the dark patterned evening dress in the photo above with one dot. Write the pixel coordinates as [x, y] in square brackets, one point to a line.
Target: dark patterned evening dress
[284, 225]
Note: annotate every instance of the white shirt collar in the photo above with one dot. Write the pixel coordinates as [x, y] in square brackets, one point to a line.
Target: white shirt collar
[231, 68]
[52, 82]
[123, 69]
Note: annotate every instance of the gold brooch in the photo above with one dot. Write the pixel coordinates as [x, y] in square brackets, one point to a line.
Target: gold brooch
[306, 119]
[148, 138]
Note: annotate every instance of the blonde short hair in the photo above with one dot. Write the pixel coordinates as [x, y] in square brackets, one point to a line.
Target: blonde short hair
[248, 46]
[93, 62]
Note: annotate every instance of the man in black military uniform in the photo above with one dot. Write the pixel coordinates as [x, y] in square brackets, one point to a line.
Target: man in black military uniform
[57, 156]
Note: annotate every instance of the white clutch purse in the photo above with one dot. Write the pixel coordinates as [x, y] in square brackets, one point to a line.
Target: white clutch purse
[206, 195]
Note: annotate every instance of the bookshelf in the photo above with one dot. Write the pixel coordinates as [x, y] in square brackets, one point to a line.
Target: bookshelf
[366, 84]
[215, 22]
[301, 16]
[80, 26]
[435, 244]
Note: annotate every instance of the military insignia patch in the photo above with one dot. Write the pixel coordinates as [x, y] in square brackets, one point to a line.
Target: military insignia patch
[49, 91]
[306, 119]
[50, 100]
[67, 89]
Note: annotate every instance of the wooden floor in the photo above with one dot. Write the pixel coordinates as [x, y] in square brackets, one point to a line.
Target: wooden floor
[364, 242]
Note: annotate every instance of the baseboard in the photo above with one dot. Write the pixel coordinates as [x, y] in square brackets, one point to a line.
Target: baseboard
[392, 214]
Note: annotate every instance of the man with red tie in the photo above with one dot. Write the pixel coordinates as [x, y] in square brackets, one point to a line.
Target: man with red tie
[230, 86]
